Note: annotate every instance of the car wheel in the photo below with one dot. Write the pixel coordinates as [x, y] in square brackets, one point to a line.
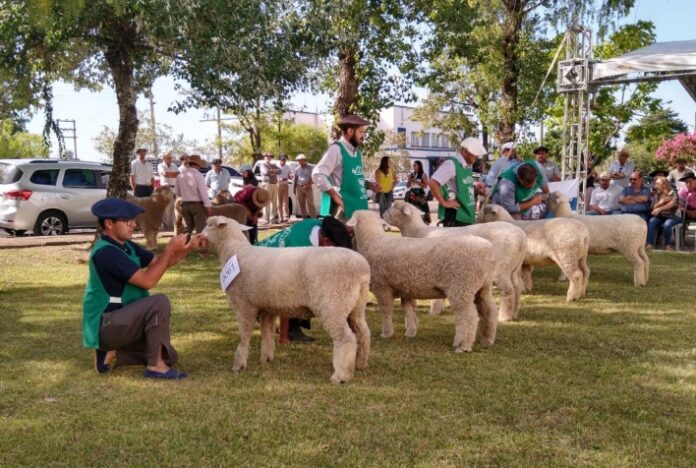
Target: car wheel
[51, 223]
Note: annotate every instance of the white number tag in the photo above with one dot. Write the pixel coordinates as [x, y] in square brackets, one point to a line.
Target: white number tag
[229, 272]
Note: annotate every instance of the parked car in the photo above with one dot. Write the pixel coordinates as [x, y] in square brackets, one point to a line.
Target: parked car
[50, 196]
[236, 179]
[400, 190]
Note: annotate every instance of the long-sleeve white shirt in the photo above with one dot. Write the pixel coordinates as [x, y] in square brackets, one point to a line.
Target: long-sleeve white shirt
[328, 172]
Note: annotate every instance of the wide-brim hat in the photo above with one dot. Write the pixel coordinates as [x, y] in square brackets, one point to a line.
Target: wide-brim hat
[197, 160]
[605, 175]
[115, 208]
[246, 167]
[507, 146]
[687, 176]
[541, 149]
[473, 146]
[300, 157]
[659, 172]
[352, 120]
[261, 197]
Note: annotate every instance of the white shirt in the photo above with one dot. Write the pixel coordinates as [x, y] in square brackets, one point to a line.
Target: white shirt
[499, 166]
[285, 172]
[142, 171]
[162, 169]
[550, 169]
[608, 199]
[446, 174]
[329, 170]
[627, 168]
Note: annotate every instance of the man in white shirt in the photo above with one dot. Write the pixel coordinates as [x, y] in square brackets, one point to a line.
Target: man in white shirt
[605, 198]
[549, 167]
[621, 168]
[677, 173]
[217, 178]
[507, 159]
[142, 176]
[167, 172]
[283, 189]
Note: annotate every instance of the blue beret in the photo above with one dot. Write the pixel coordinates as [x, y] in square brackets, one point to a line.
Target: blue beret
[115, 208]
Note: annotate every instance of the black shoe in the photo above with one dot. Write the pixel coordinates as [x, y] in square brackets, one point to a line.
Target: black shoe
[99, 365]
[296, 334]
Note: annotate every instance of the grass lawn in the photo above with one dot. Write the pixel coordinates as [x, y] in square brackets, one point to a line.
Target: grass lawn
[607, 381]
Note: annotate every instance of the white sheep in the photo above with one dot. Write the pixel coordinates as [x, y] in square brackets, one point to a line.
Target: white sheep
[330, 283]
[562, 241]
[624, 234]
[457, 268]
[510, 243]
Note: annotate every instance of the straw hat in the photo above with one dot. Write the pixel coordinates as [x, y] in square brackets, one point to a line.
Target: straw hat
[196, 159]
[261, 197]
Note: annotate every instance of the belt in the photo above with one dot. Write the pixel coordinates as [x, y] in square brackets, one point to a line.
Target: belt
[190, 202]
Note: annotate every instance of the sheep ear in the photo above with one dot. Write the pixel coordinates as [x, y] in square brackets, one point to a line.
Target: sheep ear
[221, 222]
[244, 227]
[406, 209]
[352, 222]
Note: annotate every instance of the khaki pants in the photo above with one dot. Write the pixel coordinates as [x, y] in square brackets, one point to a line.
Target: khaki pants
[169, 219]
[283, 205]
[138, 331]
[195, 216]
[305, 198]
[271, 210]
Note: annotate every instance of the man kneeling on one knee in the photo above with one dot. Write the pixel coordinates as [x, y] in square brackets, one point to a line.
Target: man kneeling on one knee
[121, 321]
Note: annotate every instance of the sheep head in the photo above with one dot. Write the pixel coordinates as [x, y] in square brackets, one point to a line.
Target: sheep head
[556, 200]
[220, 229]
[223, 197]
[402, 214]
[493, 212]
[367, 225]
[164, 193]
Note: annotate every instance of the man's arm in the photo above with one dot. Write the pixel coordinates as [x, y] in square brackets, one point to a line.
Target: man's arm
[437, 195]
[323, 171]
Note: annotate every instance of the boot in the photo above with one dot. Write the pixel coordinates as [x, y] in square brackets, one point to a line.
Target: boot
[296, 335]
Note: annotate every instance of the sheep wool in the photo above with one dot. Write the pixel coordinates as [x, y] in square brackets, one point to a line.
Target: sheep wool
[150, 220]
[623, 233]
[510, 247]
[457, 268]
[562, 241]
[330, 283]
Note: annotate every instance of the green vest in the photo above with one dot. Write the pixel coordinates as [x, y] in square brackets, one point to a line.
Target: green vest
[466, 213]
[296, 235]
[522, 194]
[96, 299]
[352, 188]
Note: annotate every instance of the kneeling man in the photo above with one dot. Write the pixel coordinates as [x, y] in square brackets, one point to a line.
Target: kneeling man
[121, 321]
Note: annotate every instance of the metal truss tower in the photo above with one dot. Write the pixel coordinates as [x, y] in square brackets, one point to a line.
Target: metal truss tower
[574, 77]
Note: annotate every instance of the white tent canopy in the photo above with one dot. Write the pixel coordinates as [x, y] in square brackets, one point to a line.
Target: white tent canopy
[661, 61]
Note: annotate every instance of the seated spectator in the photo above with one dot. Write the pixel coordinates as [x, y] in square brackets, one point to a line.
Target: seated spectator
[518, 189]
[636, 198]
[687, 196]
[549, 167]
[605, 198]
[677, 173]
[664, 212]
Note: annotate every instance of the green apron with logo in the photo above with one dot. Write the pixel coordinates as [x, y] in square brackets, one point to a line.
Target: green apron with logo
[466, 213]
[352, 189]
[96, 299]
[296, 235]
[522, 194]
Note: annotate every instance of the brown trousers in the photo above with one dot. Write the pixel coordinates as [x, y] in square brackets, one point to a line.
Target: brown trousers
[195, 216]
[138, 331]
[305, 198]
[283, 203]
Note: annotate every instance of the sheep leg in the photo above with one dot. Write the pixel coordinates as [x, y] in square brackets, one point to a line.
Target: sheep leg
[562, 277]
[345, 346]
[577, 278]
[646, 264]
[517, 285]
[385, 299]
[641, 266]
[488, 315]
[410, 317]
[465, 322]
[357, 323]
[151, 239]
[247, 320]
[267, 341]
[437, 306]
[585, 275]
[526, 273]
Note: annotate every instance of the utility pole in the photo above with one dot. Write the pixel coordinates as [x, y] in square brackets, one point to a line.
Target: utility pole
[219, 133]
[153, 124]
[69, 130]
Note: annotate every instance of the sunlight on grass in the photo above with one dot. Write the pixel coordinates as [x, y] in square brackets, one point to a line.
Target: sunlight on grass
[607, 381]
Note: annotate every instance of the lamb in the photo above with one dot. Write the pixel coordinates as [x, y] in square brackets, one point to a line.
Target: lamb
[457, 268]
[150, 220]
[624, 234]
[330, 283]
[510, 244]
[562, 241]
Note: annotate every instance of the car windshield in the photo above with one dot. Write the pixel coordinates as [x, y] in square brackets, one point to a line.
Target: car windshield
[9, 173]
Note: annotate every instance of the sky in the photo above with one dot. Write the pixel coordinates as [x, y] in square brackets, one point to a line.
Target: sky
[92, 111]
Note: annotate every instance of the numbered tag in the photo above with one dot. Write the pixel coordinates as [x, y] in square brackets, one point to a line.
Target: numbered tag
[229, 272]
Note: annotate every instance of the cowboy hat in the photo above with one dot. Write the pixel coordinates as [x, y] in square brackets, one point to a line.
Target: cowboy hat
[261, 197]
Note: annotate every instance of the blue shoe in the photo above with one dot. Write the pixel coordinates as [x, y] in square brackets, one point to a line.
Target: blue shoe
[171, 374]
[99, 365]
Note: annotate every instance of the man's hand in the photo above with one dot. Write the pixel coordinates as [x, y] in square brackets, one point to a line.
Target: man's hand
[536, 200]
[479, 188]
[198, 241]
[209, 211]
[450, 204]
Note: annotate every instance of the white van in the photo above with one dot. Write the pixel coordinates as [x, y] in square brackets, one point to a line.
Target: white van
[50, 196]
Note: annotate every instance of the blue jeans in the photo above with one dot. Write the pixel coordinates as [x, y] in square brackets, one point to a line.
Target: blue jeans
[658, 223]
[385, 201]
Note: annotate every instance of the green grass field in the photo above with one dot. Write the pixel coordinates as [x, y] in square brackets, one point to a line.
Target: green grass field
[608, 381]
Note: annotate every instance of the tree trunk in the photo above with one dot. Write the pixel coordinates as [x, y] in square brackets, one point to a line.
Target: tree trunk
[120, 59]
[347, 92]
[512, 24]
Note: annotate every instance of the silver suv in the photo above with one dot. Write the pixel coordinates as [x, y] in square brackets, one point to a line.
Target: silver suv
[49, 196]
